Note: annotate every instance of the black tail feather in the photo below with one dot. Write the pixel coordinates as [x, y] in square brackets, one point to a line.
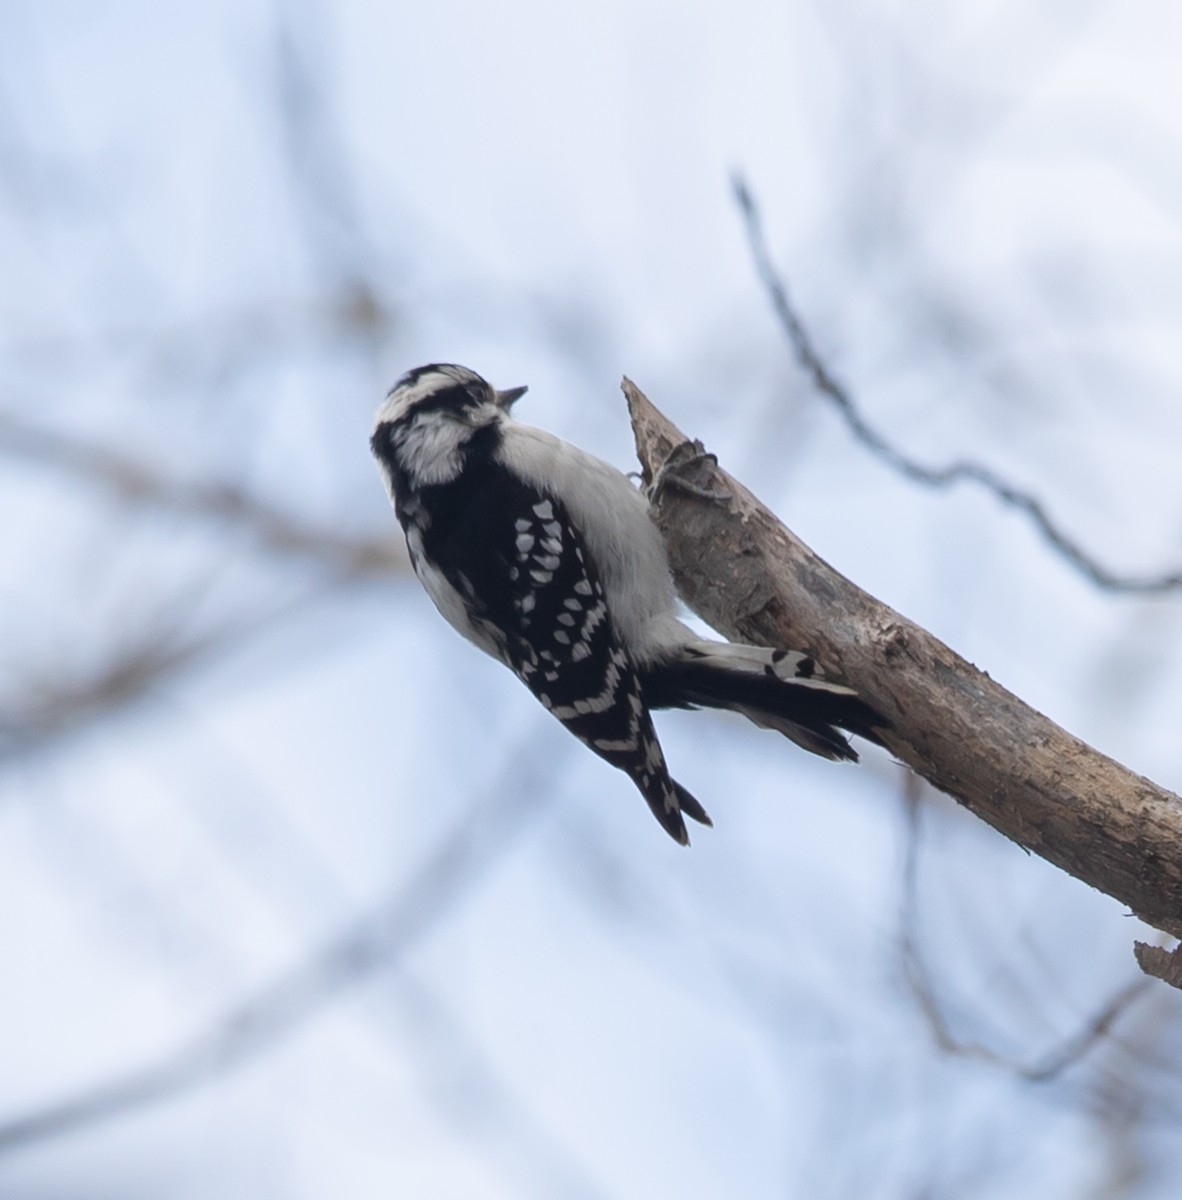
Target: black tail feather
[690, 806]
[767, 699]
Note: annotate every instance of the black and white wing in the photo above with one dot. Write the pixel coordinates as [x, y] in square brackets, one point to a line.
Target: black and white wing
[531, 594]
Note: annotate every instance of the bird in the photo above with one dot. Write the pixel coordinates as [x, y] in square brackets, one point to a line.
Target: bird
[546, 558]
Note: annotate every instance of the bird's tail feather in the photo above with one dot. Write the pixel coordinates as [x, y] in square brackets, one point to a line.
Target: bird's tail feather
[670, 802]
[690, 806]
[776, 689]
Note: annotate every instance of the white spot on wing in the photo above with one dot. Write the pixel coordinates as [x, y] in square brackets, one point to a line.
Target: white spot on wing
[619, 744]
[594, 618]
[594, 704]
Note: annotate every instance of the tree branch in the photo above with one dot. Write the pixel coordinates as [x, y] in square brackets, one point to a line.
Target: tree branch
[754, 580]
[934, 477]
[63, 704]
[136, 481]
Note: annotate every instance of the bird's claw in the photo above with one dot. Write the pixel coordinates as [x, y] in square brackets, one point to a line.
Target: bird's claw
[671, 473]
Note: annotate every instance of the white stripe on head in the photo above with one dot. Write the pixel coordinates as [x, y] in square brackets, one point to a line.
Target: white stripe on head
[436, 379]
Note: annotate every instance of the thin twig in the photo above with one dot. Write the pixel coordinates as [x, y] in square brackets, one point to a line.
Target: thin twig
[935, 477]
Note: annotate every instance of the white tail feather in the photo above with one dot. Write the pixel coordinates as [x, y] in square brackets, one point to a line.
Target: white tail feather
[789, 665]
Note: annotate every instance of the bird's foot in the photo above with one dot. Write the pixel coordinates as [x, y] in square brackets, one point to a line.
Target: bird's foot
[671, 473]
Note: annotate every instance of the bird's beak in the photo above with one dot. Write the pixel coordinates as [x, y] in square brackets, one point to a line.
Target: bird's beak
[510, 396]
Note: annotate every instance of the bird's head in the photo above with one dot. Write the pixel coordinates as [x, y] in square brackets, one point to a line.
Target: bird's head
[430, 415]
[454, 392]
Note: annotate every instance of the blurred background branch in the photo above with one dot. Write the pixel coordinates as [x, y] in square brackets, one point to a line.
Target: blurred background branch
[1045, 1066]
[827, 385]
[225, 504]
[375, 942]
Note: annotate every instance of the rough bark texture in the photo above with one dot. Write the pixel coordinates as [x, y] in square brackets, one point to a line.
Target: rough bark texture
[753, 580]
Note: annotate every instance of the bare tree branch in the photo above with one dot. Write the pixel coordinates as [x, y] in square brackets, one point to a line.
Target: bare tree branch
[1046, 1066]
[936, 477]
[136, 481]
[63, 705]
[60, 705]
[1160, 962]
[479, 840]
[321, 166]
[750, 577]
[56, 707]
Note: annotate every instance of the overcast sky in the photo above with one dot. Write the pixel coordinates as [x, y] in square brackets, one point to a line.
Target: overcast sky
[317, 898]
